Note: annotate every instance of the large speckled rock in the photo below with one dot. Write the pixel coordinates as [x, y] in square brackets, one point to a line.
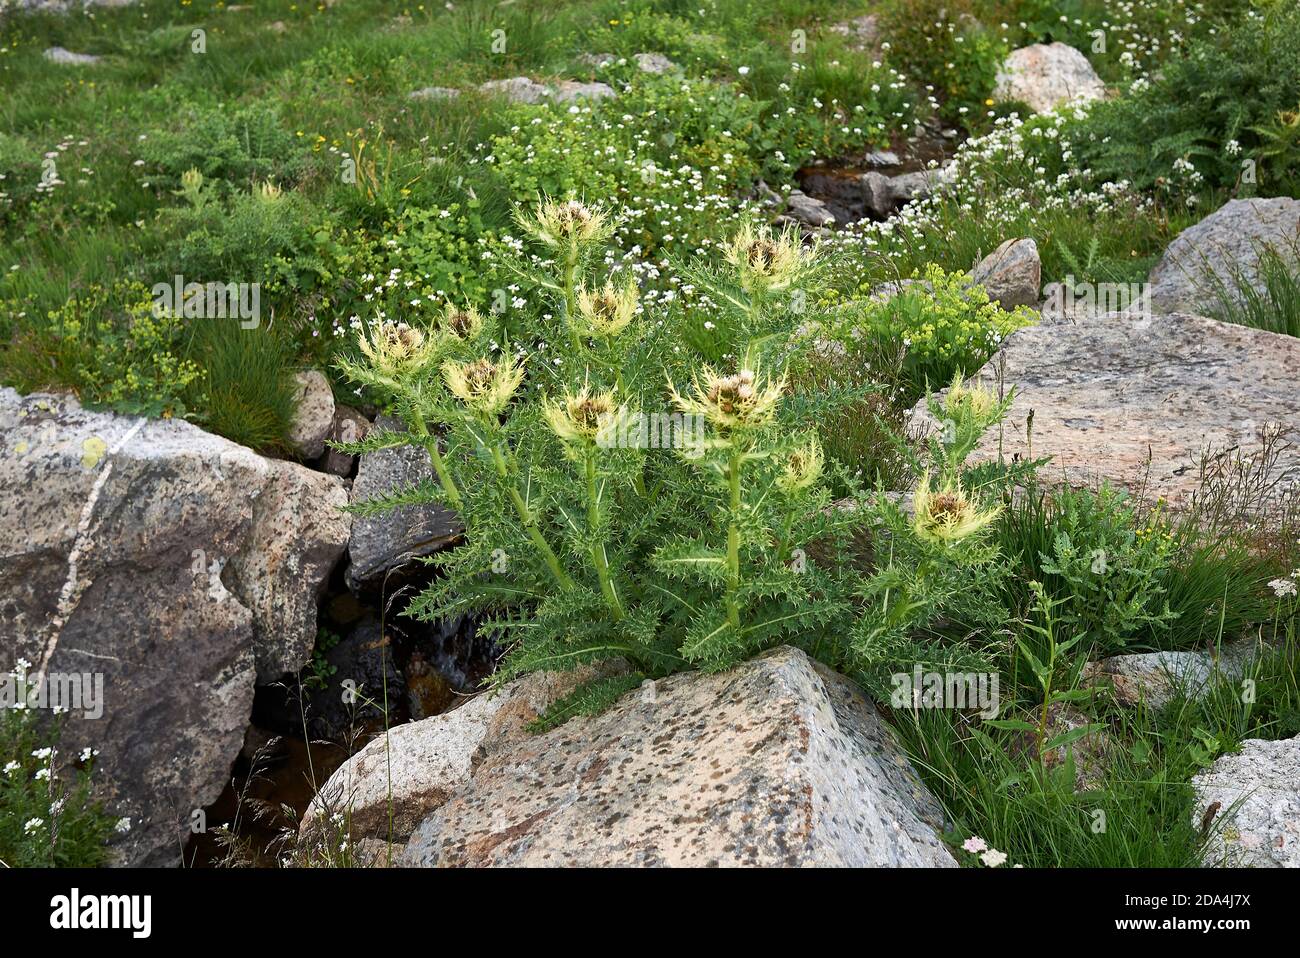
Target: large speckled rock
[1257, 790]
[1108, 392]
[1206, 257]
[313, 415]
[174, 562]
[777, 762]
[1011, 274]
[431, 758]
[389, 541]
[1045, 75]
[1155, 677]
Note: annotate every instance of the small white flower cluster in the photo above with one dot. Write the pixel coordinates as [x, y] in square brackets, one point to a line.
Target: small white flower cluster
[990, 857]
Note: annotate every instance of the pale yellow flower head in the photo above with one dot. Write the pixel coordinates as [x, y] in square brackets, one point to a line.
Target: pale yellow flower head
[566, 224]
[974, 402]
[396, 350]
[607, 311]
[462, 324]
[583, 418]
[764, 260]
[739, 401]
[482, 384]
[268, 192]
[803, 467]
[947, 515]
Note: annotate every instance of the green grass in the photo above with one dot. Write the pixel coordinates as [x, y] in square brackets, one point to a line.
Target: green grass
[1271, 303]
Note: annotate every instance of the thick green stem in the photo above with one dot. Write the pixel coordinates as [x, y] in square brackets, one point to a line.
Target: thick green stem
[733, 541]
[430, 443]
[598, 557]
[530, 525]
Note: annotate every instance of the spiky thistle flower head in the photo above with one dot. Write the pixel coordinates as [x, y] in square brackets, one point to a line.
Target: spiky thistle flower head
[947, 515]
[741, 400]
[566, 224]
[485, 385]
[803, 467]
[607, 311]
[764, 260]
[584, 418]
[463, 324]
[974, 403]
[396, 349]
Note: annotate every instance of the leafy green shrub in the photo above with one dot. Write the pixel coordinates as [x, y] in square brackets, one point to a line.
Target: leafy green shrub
[277, 239]
[108, 347]
[1207, 113]
[944, 325]
[943, 43]
[233, 149]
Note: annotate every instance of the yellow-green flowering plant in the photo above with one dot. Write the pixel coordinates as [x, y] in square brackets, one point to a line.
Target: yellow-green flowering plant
[637, 482]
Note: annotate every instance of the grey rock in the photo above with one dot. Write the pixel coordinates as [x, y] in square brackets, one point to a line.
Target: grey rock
[655, 63]
[804, 209]
[1258, 793]
[863, 32]
[1228, 242]
[777, 762]
[516, 89]
[878, 194]
[915, 186]
[348, 426]
[68, 58]
[313, 416]
[432, 758]
[1109, 392]
[1011, 274]
[127, 547]
[882, 158]
[1156, 677]
[568, 91]
[435, 93]
[1047, 75]
[382, 543]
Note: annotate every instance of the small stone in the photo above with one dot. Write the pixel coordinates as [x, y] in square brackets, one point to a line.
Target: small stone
[516, 90]
[655, 63]
[348, 426]
[314, 414]
[435, 93]
[1011, 274]
[567, 91]
[808, 211]
[68, 58]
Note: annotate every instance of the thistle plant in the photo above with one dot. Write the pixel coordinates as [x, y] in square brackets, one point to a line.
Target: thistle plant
[644, 498]
[654, 493]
